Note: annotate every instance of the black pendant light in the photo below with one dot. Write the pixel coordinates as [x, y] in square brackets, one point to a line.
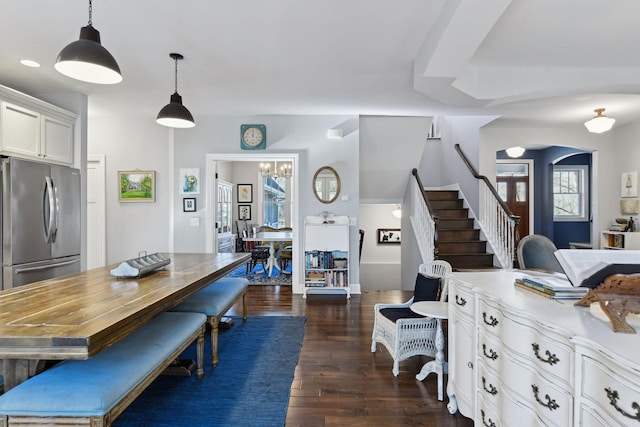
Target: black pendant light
[174, 114]
[87, 60]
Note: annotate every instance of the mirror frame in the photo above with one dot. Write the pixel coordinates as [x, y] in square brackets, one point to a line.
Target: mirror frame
[313, 184]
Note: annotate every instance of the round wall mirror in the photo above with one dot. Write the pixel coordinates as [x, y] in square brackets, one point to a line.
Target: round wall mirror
[326, 184]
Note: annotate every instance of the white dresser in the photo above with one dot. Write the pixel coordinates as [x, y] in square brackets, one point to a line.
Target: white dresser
[519, 359]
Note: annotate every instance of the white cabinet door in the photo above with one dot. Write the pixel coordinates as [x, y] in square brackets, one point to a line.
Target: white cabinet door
[20, 130]
[57, 141]
[321, 237]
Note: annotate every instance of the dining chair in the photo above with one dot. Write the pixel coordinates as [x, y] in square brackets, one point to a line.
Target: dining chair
[538, 251]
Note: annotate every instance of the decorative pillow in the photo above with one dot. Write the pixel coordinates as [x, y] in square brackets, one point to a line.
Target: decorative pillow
[427, 288]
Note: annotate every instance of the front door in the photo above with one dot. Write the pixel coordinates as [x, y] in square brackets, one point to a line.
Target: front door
[514, 190]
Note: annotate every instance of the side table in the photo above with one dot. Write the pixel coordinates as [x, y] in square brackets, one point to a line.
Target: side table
[438, 310]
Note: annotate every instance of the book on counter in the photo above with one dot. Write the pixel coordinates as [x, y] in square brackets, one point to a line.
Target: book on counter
[589, 268]
[554, 286]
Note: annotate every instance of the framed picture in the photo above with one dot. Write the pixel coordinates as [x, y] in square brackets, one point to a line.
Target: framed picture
[190, 181]
[244, 211]
[388, 235]
[628, 206]
[189, 204]
[137, 186]
[629, 184]
[245, 193]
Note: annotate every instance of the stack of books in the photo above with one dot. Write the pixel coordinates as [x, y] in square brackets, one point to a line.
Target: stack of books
[550, 287]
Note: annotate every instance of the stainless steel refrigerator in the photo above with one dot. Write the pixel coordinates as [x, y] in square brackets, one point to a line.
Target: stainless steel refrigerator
[40, 221]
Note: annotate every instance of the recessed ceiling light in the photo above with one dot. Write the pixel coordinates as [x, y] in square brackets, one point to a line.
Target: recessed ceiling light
[29, 63]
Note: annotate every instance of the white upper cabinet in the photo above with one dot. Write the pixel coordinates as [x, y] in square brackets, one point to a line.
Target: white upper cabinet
[57, 141]
[20, 130]
[34, 129]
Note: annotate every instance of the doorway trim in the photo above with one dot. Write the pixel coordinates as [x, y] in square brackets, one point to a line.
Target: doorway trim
[98, 193]
[211, 160]
[531, 185]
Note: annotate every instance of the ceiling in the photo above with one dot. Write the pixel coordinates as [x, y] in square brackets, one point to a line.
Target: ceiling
[543, 60]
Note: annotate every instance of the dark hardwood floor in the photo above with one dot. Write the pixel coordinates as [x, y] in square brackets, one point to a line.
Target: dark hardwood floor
[338, 381]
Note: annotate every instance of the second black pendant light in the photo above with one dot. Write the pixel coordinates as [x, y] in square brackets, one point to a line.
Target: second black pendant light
[174, 114]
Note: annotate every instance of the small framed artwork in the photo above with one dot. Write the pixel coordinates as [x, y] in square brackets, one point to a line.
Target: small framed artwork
[245, 193]
[244, 211]
[389, 235]
[189, 204]
[137, 186]
[190, 181]
[628, 206]
[629, 184]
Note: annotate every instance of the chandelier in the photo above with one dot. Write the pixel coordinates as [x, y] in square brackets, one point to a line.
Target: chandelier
[284, 172]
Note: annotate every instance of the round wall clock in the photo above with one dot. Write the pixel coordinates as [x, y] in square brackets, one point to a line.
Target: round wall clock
[253, 137]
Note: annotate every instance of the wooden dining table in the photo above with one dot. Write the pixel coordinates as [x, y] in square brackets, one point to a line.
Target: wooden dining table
[79, 315]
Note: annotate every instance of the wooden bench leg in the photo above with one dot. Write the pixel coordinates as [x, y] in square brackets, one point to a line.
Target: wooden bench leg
[200, 353]
[244, 306]
[214, 322]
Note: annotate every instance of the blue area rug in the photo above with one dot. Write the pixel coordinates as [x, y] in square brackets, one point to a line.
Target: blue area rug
[257, 276]
[250, 386]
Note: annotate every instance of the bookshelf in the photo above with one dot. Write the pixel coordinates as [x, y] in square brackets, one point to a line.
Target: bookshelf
[326, 256]
[619, 240]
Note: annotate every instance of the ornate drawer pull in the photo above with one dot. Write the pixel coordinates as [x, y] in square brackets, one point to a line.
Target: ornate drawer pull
[461, 301]
[492, 320]
[492, 354]
[613, 400]
[551, 359]
[491, 389]
[490, 424]
[550, 403]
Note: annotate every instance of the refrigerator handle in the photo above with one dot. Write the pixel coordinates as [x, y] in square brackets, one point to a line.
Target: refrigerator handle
[44, 267]
[56, 210]
[48, 221]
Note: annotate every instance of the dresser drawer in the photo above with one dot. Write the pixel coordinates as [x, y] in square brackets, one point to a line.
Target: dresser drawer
[612, 390]
[490, 350]
[461, 298]
[487, 414]
[489, 317]
[554, 405]
[589, 417]
[552, 357]
[489, 386]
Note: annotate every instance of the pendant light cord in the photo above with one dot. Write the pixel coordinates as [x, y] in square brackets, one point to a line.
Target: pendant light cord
[176, 79]
[90, 13]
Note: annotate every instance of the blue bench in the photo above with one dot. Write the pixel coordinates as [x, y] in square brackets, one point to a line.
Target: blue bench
[214, 301]
[95, 391]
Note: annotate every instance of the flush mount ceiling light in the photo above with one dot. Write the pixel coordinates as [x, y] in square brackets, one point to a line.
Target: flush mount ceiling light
[514, 152]
[600, 123]
[174, 114]
[87, 60]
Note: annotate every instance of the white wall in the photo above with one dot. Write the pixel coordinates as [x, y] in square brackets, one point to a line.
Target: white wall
[380, 265]
[627, 158]
[130, 143]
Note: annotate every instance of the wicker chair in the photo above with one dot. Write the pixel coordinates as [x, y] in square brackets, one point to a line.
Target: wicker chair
[414, 335]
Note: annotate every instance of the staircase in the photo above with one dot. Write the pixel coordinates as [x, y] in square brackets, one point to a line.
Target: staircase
[458, 241]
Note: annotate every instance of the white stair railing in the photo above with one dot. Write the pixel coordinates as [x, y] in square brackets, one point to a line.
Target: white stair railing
[423, 224]
[498, 227]
[498, 224]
